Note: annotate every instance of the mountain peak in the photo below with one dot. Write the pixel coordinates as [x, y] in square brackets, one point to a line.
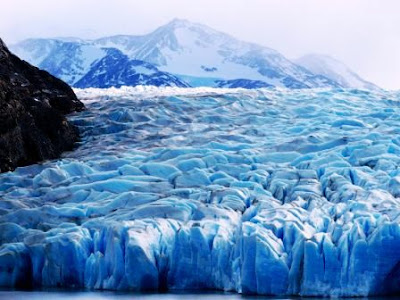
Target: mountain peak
[176, 22]
[2, 45]
[330, 67]
[3, 52]
[191, 26]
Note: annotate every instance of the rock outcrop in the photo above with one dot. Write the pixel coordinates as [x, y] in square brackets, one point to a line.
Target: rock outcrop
[33, 105]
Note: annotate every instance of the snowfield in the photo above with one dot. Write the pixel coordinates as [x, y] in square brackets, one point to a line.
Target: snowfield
[263, 191]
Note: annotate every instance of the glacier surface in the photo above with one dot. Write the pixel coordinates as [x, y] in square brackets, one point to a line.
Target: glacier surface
[257, 191]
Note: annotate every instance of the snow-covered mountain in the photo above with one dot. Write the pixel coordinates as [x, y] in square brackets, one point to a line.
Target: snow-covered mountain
[83, 65]
[335, 70]
[193, 52]
[191, 49]
[116, 70]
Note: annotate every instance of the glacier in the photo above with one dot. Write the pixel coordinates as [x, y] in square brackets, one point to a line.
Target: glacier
[267, 191]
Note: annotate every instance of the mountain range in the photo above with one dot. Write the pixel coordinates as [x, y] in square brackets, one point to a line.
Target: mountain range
[335, 70]
[182, 53]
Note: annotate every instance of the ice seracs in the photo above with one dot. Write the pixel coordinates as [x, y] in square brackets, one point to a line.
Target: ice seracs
[272, 192]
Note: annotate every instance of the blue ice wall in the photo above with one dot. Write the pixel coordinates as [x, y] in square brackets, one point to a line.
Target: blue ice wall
[262, 192]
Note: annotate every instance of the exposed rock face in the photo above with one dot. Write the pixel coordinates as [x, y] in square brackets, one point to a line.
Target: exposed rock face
[32, 108]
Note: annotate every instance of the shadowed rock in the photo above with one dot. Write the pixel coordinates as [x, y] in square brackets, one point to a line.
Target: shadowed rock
[32, 108]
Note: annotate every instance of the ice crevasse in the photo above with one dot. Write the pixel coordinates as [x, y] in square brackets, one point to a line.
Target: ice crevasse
[273, 192]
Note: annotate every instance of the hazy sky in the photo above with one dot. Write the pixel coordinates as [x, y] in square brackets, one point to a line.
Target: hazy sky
[364, 34]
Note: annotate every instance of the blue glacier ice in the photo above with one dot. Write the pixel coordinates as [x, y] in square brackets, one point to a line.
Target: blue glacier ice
[272, 192]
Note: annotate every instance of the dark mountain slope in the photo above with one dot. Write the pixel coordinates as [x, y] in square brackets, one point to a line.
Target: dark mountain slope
[32, 107]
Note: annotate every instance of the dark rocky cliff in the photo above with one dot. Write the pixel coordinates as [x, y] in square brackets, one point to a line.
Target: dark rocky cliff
[32, 108]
